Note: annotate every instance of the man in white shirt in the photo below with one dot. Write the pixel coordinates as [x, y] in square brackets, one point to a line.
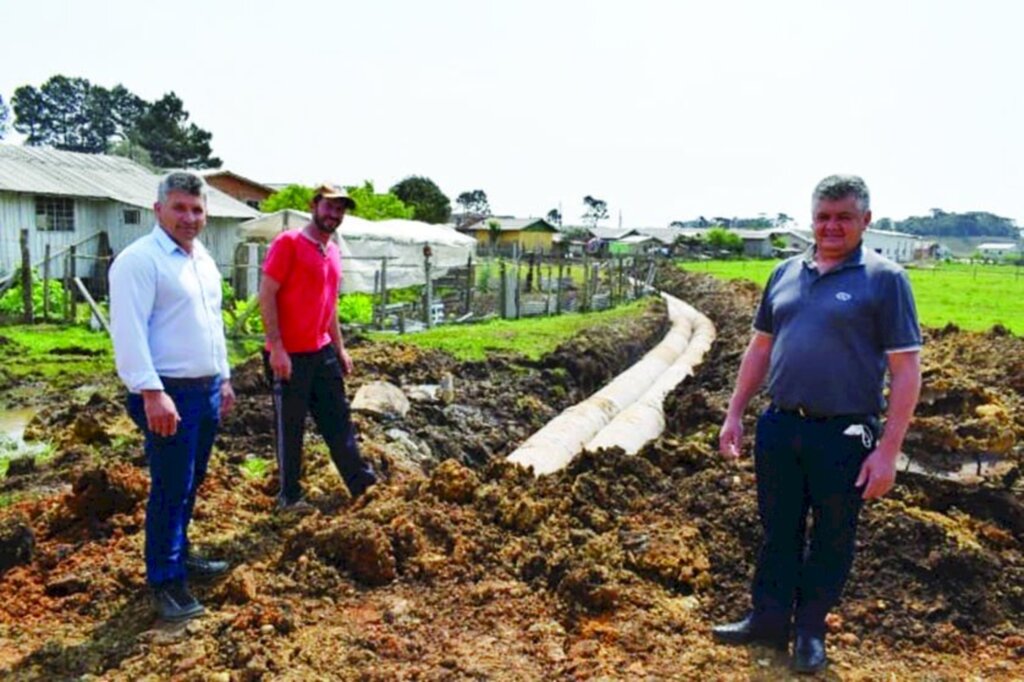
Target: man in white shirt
[170, 352]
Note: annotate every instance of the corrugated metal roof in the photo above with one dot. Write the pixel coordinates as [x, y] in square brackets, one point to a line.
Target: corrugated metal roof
[509, 224]
[38, 170]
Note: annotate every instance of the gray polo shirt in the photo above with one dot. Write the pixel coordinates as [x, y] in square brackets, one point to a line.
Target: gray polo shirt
[831, 333]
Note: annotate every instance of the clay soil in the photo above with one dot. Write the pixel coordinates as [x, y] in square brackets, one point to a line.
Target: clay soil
[462, 566]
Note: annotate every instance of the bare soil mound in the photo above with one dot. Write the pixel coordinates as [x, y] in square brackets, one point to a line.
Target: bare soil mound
[463, 566]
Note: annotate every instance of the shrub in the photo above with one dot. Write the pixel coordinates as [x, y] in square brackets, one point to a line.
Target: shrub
[11, 302]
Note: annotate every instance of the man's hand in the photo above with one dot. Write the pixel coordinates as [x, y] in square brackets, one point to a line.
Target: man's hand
[730, 438]
[161, 414]
[227, 397]
[280, 362]
[346, 361]
[877, 474]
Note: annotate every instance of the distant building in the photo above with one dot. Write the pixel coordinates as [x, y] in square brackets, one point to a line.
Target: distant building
[249, 192]
[98, 203]
[897, 246]
[998, 250]
[502, 233]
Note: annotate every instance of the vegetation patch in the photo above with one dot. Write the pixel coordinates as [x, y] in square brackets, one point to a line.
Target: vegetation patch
[532, 338]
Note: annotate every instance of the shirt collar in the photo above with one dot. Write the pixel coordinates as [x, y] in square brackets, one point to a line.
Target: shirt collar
[855, 259]
[169, 246]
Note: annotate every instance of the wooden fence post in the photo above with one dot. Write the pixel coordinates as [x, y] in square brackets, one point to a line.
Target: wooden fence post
[503, 291]
[28, 315]
[468, 303]
[428, 290]
[46, 284]
[73, 267]
[558, 286]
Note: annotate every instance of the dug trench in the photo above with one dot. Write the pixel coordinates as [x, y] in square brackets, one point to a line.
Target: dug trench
[461, 565]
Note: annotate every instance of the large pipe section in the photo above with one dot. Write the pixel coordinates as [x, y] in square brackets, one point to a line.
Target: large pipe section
[629, 406]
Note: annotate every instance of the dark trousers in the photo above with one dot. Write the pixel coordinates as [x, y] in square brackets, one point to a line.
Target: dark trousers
[316, 386]
[177, 467]
[806, 465]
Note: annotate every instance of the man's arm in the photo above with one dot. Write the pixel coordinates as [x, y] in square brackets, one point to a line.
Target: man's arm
[878, 473]
[334, 330]
[753, 369]
[132, 295]
[280, 362]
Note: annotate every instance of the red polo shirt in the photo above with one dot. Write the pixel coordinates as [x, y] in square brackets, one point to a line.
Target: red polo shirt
[309, 279]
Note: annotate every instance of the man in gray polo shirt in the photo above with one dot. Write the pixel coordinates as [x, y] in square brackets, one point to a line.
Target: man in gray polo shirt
[830, 323]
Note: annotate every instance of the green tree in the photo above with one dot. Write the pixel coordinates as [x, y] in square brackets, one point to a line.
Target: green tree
[972, 224]
[555, 217]
[131, 149]
[474, 203]
[5, 115]
[298, 197]
[171, 140]
[493, 233]
[597, 210]
[65, 113]
[430, 203]
[373, 206]
[722, 239]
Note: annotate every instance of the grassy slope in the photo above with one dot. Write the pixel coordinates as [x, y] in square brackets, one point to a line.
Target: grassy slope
[532, 338]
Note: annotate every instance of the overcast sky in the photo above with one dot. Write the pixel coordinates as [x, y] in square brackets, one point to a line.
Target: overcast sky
[666, 110]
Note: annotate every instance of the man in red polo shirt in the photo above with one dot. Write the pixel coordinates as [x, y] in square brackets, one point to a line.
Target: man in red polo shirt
[305, 356]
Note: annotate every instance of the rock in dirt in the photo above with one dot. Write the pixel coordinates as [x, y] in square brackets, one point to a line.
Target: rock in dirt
[381, 398]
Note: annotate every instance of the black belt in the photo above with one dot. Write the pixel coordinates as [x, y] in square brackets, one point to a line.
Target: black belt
[809, 415]
[180, 384]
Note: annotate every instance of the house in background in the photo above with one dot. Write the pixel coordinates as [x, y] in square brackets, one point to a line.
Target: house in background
[635, 245]
[998, 251]
[502, 233]
[897, 246]
[98, 203]
[249, 192]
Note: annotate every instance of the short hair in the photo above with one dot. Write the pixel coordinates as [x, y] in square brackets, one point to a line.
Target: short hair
[841, 186]
[182, 181]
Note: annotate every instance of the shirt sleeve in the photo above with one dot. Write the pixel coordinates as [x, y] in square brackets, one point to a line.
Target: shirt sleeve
[763, 320]
[280, 255]
[900, 328]
[132, 293]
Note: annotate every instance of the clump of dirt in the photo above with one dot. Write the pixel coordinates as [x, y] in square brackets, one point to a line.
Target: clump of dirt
[17, 542]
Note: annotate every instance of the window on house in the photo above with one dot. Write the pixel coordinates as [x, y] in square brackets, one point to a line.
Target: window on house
[55, 214]
[132, 216]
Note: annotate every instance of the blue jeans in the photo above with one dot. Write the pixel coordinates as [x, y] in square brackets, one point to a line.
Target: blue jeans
[806, 465]
[177, 467]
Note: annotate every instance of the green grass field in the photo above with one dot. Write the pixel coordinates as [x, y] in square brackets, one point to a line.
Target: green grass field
[531, 337]
[972, 297]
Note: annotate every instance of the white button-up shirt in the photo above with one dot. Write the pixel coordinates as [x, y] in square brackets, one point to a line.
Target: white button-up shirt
[165, 316]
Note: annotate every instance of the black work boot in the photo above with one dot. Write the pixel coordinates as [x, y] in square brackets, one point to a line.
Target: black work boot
[199, 568]
[174, 603]
[749, 631]
[809, 653]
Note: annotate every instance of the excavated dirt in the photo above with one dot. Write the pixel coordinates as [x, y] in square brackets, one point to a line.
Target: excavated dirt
[462, 566]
